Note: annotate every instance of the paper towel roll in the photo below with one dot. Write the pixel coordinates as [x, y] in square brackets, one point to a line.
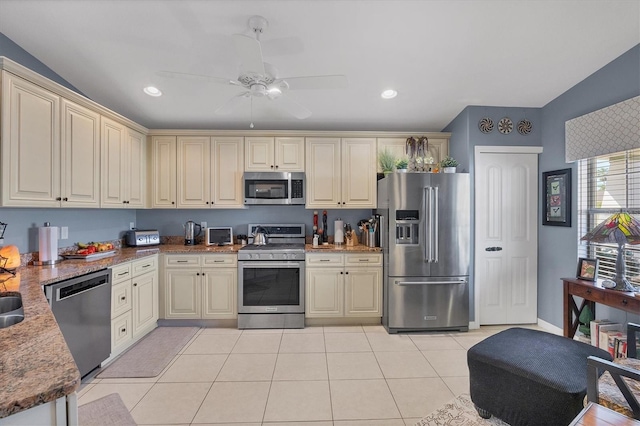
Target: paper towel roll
[338, 227]
[48, 243]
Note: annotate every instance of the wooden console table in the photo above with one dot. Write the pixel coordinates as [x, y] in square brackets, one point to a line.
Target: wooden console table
[592, 293]
[594, 414]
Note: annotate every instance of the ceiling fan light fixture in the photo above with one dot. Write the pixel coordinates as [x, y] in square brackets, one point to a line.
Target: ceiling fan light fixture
[389, 94]
[274, 92]
[152, 91]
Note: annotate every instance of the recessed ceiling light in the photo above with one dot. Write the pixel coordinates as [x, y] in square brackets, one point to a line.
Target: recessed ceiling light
[389, 94]
[152, 91]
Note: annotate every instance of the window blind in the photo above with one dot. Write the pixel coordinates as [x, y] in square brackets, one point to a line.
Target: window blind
[608, 184]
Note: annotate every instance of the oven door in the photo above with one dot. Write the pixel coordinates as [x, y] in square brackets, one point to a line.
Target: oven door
[270, 287]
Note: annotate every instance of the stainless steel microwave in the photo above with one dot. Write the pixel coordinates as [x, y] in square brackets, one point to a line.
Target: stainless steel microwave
[278, 188]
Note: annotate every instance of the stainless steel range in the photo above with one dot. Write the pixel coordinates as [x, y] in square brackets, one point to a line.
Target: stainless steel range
[271, 278]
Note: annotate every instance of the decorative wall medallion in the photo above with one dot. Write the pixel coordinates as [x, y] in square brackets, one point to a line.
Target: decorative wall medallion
[524, 127]
[486, 125]
[505, 125]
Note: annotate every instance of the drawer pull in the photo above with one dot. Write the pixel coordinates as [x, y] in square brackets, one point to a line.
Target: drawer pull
[218, 261]
[181, 261]
[325, 260]
[146, 266]
[588, 291]
[124, 330]
[363, 260]
[123, 273]
[624, 301]
[123, 298]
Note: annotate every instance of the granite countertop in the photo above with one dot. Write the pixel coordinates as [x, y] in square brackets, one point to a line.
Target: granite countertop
[36, 366]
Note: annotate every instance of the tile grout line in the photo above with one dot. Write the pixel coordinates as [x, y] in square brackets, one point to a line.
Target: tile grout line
[266, 403]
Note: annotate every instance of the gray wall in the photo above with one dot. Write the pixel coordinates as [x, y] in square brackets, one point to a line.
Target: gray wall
[17, 54]
[465, 136]
[557, 253]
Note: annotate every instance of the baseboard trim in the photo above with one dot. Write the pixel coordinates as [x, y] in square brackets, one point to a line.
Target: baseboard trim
[550, 327]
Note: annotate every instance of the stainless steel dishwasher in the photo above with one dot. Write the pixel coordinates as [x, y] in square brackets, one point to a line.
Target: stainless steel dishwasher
[82, 308]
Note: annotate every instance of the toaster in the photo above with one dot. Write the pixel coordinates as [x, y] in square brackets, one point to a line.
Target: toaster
[142, 237]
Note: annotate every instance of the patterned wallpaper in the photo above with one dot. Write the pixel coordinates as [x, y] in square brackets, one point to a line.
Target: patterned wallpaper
[612, 129]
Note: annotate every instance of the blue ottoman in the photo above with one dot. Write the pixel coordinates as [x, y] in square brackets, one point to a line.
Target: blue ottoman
[529, 377]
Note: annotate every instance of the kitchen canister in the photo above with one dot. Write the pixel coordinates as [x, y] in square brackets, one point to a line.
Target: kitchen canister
[47, 244]
[338, 237]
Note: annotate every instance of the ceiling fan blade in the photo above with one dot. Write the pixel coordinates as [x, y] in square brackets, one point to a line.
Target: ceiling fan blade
[317, 82]
[197, 77]
[250, 53]
[292, 107]
[232, 104]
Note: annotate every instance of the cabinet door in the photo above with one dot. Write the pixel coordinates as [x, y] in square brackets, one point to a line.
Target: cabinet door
[226, 174]
[323, 173]
[144, 291]
[194, 171]
[135, 190]
[121, 332]
[359, 188]
[395, 146]
[363, 292]
[289, 154]
[219, 293]
[30, 144]
[182, 293]
[259, 154]
[438, 148]
[80, 156]
[114, 171]
[324, 292]
[164, 174]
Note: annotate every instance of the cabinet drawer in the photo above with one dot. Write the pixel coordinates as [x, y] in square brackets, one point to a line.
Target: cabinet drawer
[595, 294]
[363, 259]
[177, 260]
[313, 259]
[629, 304]
[222, 260]
[120, 298]
[121, 332]
[121, 272]
[143, 266]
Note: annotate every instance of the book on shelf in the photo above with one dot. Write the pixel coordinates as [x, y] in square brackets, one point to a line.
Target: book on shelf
[595, 330]
[603, 337]
[617, 344]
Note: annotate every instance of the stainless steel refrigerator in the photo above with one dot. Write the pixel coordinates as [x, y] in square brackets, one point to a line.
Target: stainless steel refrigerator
[425, 222]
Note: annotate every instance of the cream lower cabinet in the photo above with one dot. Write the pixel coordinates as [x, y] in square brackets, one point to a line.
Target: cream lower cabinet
[200, 286]
[341, 173]
[343, 285]
[134, 302]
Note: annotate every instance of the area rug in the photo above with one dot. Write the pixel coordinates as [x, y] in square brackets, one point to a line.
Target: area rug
[106, 411]
[457, 412]
[150, 355]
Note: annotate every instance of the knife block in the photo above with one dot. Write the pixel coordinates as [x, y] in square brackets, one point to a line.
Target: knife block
[352, 239]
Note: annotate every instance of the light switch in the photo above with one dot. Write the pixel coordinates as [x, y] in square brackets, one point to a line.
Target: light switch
[203, 224]
[64, 232]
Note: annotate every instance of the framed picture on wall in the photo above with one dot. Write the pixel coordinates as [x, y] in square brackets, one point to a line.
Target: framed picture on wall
[557, 195]
[587, 269]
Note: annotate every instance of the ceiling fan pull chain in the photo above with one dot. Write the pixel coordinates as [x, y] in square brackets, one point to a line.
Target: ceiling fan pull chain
[251, 125]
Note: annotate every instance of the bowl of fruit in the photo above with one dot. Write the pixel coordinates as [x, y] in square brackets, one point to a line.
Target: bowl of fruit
[91, 251]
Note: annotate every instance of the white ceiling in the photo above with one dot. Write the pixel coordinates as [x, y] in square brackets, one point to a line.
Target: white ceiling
[439, 55]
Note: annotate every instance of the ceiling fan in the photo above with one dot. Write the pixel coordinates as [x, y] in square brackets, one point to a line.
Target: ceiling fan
[260, 79]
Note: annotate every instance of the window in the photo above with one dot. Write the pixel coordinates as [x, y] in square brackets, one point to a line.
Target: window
[607, 185]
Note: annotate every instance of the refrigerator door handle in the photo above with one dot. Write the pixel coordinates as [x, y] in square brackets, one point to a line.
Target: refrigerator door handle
[426, 193]
[434, 234]
[407, 283]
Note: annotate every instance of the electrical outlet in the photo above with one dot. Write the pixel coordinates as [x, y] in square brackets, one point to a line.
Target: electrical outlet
[64, 232]
[203, 224]
[132, 225]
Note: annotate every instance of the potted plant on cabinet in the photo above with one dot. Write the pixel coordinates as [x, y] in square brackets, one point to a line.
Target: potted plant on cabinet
[401, 165]
[387, 161]
[449, 164]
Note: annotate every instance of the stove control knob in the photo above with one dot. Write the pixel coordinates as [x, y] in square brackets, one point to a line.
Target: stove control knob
[248, 256]
[271, 256]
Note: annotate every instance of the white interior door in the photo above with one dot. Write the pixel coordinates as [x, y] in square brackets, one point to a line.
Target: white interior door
[506, 248]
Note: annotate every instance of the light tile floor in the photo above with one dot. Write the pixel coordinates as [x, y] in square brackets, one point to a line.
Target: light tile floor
[317, 376]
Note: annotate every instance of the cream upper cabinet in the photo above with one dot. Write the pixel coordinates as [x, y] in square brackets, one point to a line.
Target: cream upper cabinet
[341, 173]
[30, 144]
[80, 156]
[210, 172]
[194, 171]
[269, 154]
[137, 167]
[123, 166]
[438, 147]
[163, 172]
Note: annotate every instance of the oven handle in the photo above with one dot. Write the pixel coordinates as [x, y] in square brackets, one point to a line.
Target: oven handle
[269, 264]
